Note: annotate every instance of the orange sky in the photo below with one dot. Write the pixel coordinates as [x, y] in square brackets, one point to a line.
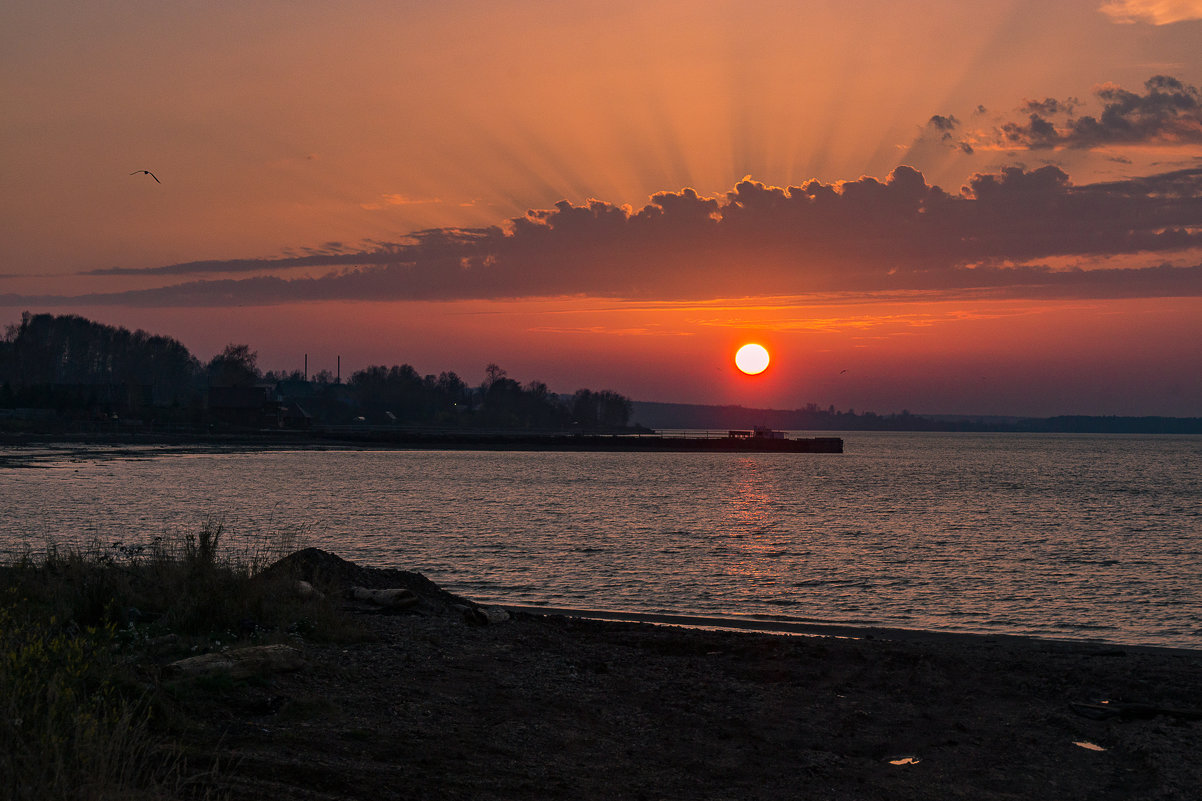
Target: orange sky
[283, 130]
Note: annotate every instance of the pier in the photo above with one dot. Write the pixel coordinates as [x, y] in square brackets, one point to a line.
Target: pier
[731, 441]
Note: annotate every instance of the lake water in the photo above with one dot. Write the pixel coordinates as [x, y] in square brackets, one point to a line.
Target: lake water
[1065, 536]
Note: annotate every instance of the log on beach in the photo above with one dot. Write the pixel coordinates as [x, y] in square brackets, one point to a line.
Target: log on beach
[239, 663]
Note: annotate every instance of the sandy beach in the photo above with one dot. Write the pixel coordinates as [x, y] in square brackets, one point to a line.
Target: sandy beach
[437, 704]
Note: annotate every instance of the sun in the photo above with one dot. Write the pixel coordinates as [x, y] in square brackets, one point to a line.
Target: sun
[752, 359]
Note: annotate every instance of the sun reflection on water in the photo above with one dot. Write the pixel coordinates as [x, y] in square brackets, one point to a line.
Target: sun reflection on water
[750, 507]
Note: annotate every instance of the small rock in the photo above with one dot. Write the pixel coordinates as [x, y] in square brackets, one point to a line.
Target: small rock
[496, 614]
[484, 615]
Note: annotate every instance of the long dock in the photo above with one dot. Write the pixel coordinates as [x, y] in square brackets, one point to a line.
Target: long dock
[454, 440]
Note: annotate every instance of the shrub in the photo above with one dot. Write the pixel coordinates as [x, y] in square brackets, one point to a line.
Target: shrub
[65, 730]
[78, 659]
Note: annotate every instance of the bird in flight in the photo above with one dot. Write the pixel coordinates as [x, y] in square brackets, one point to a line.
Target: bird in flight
[147, 172]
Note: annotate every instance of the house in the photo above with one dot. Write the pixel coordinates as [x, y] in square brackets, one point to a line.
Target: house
[256, 406]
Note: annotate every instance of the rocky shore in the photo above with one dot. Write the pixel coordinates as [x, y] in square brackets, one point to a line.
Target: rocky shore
[444, 700]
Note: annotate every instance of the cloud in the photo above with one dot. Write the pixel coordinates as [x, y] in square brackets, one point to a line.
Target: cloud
[993, 237]
[227, 266]
[1051, 106]
[330, 255]
[944, 124]
[944, 127]
[1155, 12]
[396, 199]
[1169, 112]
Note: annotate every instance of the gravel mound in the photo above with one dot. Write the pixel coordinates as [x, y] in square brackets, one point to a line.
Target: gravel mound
[334, 575]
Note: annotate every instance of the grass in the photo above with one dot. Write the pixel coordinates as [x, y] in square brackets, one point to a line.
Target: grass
[83, 635]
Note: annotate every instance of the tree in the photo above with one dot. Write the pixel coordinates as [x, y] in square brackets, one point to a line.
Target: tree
[604, 409]
[68, 361]
[492, 374]
[613, 410]
[501, 404]
[452, 397]
[399, 391]
[584, 408]
[236, 366]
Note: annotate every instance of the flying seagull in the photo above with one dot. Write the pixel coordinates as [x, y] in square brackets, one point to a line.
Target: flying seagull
[147, 172]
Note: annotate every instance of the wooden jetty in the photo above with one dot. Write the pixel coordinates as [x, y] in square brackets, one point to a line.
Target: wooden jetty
[738, 441]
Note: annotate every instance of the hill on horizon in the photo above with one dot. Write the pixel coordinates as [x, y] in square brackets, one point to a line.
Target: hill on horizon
[659, 415]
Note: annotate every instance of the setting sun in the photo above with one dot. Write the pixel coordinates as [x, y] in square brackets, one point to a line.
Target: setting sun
[752, 359]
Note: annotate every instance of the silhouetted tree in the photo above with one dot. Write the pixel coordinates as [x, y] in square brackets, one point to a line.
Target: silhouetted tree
[501, 401]
[75, 365]
[584, 408]
[284, 375]
[452, 398]
[492, 374]
[604, 409]
[399, 391]
[69, 362]
[613, 410]
[236, 366]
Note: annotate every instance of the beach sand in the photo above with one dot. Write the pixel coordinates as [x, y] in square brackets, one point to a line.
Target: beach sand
[434, 706]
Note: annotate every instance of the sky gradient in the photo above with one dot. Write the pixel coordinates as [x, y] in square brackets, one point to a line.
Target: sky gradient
[988, 208]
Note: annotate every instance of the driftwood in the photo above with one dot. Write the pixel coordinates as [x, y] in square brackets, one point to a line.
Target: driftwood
[399, 598]
[240, 663]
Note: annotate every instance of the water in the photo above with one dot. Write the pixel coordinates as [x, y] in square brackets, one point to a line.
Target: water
[1090, 537]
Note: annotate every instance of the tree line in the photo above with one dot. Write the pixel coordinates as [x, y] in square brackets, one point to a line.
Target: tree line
[82, 369]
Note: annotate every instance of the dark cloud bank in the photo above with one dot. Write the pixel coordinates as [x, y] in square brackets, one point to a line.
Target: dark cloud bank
[860, 238]
[1167, 112]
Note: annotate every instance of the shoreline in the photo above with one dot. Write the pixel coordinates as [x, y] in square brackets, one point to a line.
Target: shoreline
[443, 705]
[439, 697]
[851, 631]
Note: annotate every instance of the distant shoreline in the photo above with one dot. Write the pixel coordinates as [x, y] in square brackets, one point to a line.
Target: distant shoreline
[699, 416]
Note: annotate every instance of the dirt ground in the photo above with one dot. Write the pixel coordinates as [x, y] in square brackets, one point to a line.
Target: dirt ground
[436, 706]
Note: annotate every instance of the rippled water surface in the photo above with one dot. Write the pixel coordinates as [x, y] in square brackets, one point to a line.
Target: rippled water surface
[1059, 536]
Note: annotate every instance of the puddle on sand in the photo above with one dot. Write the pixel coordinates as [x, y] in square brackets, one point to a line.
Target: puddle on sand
[1088, 746]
